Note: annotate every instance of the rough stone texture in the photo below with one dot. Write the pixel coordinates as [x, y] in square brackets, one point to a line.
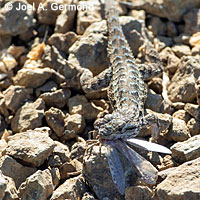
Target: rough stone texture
[172, 10]
[56, 99]
[79, 105]
[10, 193]
[86, 17]
[88, 196]
[72, 188]
[15, 96]
[49, 15]
[65, 20]
[193, 110]
[193, 125]
[14, 22]
[32, 77]
[93, 41]
[5, 41]
[55, 119]
[192, 21]
[29, 116]
[181, 50]
[157, 25]
[153, 101]
[73, 123]
[55, 176]
[49, 86]
[138, 193]
[178, 131]
[182, 85]
[187, 150]
[62, 41]
[2, 185]
[182, 114]
[10, 166]
[37, 186]
[66, 168]
[32, 147]
[173, 187]
[137, 14]
[103, 185]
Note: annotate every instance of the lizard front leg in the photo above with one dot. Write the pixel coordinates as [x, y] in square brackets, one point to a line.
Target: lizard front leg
[93, 84]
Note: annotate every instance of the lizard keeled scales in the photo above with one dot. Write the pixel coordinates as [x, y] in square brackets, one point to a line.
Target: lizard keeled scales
[127, 94]
[125, 81]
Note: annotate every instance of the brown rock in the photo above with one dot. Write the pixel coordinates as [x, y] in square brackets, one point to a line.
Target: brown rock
[175, 185]
[40, 181]
[182, 114]
[50, 86]
[181, 50]
[75, 123]
[55, 119]
[79, 105]
[192, 21]
[55, 176]
[9, 166]
[32, 147]
[15, 96]
[66, 168]
[10, 192]
[137, 14]
[29, 116]
[56, 99]
[86, 17]
[187, 150]
[16, 51]
[65, 20]
[13, 21]
[178, 131]
[62, 41]
[138, 193]
[182, 85]
[32, 77]
[72, 188]
[193, 126]
[47, 15]
[193, 110]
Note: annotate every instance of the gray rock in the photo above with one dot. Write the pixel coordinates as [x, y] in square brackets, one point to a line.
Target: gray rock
[182, 114]
[55, 176]
[138, 193]
[50, 86]
[29, 116]
[193, 125]
[65, 20]
[181, 50]
[187, 150]
[153, 101]
[10, 192]
[32, 147]
[178, 131]
[15, 22]
[9, 166]
[158, 27]
[56, 99]
[2, 185]
[182, 85]
[55, 119]
[86, 17]
[193, 110]
[32, 77]
[37, 186]
[171, 29]
[5, 41]
[15, 96]
[172, 10]
[74, 124]
[192, 24]
[94, 41]
[62, 41]
[79, 105]
[175, 184]
[72, 188]
[47, 15]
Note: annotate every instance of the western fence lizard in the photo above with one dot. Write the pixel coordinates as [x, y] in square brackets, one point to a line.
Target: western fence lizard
[125, 81]
[127, 94]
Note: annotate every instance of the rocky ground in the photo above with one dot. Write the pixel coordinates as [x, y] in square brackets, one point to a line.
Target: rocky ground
[45, 117]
